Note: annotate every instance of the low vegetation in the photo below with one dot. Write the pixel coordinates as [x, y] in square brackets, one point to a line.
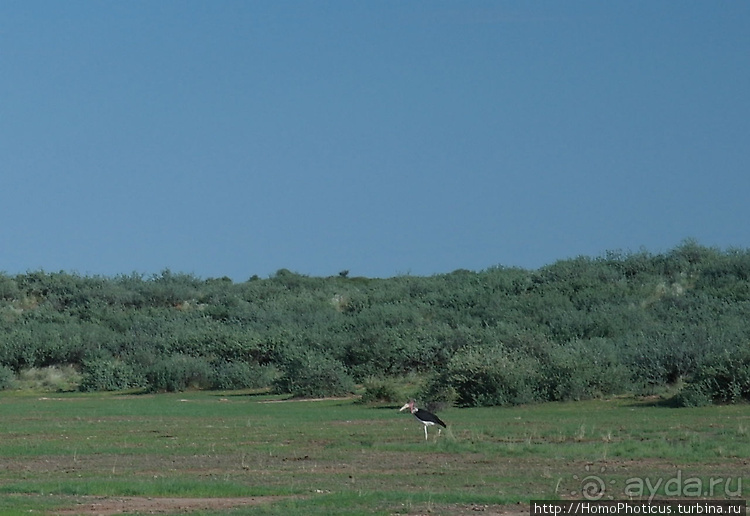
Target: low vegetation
[239, 452]
[580, 328]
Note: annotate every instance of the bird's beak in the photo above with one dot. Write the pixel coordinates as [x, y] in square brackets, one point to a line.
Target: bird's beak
[404, 407]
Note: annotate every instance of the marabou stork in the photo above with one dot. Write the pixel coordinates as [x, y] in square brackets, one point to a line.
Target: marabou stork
[424, 417]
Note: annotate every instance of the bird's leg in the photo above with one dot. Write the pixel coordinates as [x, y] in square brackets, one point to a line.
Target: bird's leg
[425, 432]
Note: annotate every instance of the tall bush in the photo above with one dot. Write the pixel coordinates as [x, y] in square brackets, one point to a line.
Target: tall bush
[178, 373]
[242, 375]
[310, 374]
[583, 370]
[724, 378]
[492, 376]
[7, 378]
[108, 374]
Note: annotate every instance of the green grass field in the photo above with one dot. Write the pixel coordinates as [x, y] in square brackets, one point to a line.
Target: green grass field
[86, 453]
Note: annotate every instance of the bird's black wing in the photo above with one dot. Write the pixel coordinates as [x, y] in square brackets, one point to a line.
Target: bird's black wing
[440, 422]
[429, 416]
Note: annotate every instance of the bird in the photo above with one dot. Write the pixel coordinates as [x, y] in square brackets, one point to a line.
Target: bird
[424, 417]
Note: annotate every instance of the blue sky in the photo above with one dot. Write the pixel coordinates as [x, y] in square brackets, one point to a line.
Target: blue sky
[236, 138]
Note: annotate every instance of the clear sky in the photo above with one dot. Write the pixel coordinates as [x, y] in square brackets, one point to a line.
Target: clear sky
[233, 138]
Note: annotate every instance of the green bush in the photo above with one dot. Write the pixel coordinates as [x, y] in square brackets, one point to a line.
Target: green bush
[493, 376]
[723, 378]
[241, 375]
[578, 328]
[437, 392]
[583, 370]
[18, 347]
[310, 374]
[380, 390]
[108, 374]
[7, 378]
[694, 395]
[178, 373]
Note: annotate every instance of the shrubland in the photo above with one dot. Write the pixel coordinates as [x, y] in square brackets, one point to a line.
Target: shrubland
[579, 328]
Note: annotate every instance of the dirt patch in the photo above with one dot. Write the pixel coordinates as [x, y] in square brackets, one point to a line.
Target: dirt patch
[106, 506]
[468, 510]
[304, 400]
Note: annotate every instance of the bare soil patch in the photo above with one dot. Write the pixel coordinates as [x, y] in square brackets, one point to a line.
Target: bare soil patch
[106, 506]
[308, 400]
[467, 510]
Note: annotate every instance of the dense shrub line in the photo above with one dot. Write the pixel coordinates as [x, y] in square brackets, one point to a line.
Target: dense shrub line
[579, 328]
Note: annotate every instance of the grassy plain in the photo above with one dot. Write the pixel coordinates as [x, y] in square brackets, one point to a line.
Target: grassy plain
[78, 453]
